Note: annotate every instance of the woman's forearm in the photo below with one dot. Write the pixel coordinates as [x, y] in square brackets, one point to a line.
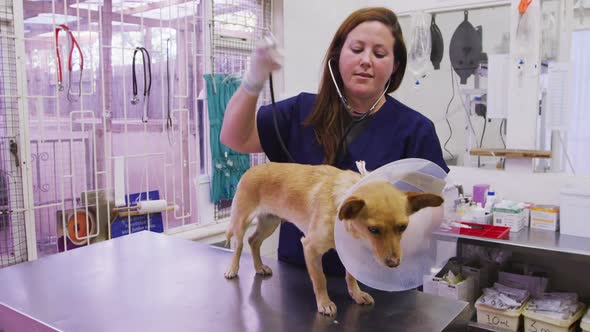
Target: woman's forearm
[239, 130]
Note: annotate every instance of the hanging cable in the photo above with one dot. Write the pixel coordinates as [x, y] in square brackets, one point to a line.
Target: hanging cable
[502, 124]
[447, 114]
[147, 81]
[169, 126]
[467, 112]
[276, 124]
[567, 156]
[483, 132]
[72, 43]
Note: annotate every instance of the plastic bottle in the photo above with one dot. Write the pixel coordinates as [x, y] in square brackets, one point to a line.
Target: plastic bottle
[490, 201]
[462, 209]
[478, 214]
[451, 197]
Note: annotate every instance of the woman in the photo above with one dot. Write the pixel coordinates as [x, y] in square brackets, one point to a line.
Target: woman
[351, 118]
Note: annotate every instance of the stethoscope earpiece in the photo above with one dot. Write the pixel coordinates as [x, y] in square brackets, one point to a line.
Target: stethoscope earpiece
[73, 45]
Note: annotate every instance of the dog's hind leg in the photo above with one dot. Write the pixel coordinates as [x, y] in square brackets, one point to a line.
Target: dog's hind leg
[240, 219]
[267, 224]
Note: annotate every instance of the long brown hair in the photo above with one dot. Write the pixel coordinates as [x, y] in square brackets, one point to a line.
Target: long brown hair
[327, 117]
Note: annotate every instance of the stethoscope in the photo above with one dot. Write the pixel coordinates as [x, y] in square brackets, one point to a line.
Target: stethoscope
[169, 115]
[357, 117]
[147, 81]
[72, 43]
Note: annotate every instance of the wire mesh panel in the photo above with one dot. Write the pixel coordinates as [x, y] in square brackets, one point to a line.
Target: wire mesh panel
[236, 26]
[114, 92]
[12, 222]
[100, 139]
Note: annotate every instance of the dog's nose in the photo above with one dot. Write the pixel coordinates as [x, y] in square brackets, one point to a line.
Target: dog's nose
[392, 261]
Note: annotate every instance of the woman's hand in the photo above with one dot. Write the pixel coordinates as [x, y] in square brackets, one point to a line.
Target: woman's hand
[265, 59]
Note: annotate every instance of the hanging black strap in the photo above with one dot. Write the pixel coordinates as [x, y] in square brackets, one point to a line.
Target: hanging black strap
[147, 72]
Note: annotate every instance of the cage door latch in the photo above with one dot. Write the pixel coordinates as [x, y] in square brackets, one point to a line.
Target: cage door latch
[13, 148]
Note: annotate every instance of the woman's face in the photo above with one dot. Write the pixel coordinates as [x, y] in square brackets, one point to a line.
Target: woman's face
[366, 61]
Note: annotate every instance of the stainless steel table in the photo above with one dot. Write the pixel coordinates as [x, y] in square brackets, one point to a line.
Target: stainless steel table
[153, 282]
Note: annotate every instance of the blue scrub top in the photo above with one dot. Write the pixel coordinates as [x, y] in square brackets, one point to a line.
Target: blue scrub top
[395, 132]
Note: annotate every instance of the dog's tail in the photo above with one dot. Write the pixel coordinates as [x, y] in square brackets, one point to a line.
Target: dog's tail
[361, 166]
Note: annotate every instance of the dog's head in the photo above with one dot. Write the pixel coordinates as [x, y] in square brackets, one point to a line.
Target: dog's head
[378, 213]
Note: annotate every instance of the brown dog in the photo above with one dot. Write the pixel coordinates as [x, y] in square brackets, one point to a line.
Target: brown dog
[309, 196]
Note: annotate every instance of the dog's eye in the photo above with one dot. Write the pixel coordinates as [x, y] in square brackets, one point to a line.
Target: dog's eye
[374, 230]
[402, 228]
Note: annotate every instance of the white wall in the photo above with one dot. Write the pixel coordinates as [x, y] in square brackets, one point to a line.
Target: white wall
[538, 188]
[432, 98]
[308, 27]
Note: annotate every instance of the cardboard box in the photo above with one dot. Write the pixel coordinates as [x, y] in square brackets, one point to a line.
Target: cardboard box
[585, 322]
[462, 291]
[545, 217]
[480, 276]
[507, 320]
[536, 321]
[574, 202]
[511, 214]
[430, 285]
[535, 285]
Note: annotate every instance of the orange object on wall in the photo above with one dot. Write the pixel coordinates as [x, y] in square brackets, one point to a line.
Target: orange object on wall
[79, 218]
[523, 6]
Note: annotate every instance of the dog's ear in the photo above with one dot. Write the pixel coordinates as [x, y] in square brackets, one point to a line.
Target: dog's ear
[351, 208]
[418, 201]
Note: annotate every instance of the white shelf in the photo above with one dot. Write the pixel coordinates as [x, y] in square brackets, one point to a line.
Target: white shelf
[532, 238]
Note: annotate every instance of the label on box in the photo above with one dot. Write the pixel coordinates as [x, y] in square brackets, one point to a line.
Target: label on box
[499, 321]
[537, 325]
[545, 217]
[516, 222]
[509, 207]
[511, 214]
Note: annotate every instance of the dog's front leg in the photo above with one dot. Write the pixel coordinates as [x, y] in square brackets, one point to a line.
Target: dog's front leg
[355, 291]
[313, 260]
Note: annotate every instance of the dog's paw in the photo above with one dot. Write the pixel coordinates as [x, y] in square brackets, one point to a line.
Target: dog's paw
[361, 297]
[327, 307]
[264, 270]
[231, 272]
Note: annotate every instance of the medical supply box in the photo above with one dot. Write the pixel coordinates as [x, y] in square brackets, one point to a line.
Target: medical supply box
[585, 322]
[535, 321]
[575, 210]
[511, 214]
[505, 319]
[545, 217]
